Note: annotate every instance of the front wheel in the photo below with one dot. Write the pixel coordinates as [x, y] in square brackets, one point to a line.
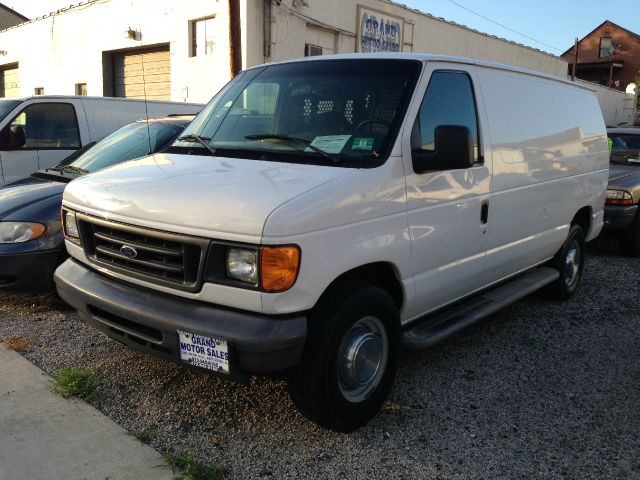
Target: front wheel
[350, 358]
[569, 261]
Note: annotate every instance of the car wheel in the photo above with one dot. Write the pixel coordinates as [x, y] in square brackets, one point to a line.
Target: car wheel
[569, 261]
[630, 239]
[350, 358]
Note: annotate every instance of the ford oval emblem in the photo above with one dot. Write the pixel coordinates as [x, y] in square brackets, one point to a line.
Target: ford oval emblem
[128, 251]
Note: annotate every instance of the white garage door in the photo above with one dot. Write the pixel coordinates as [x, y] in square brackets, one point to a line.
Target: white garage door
[135, 71]
[9, 81]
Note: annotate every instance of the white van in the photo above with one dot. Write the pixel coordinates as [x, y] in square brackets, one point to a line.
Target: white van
[37, 132]
[319, 215]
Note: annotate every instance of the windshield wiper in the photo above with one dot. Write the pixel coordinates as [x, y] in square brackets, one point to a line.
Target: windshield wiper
[70, 169]
[204, 141]
[287, 138]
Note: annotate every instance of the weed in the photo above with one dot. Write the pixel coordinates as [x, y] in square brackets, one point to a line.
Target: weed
[75, 382]
[190, 469]
[144, 436]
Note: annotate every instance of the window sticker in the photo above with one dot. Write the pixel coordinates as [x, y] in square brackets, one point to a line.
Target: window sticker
[330, 143]
[361, 143]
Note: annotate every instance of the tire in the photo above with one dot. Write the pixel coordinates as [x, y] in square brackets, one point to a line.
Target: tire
[569, 261]
[358, 323]
[630, 239]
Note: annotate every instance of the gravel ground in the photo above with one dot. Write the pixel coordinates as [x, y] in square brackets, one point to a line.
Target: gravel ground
[540, 390]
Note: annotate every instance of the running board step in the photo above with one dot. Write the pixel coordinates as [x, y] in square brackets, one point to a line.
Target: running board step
[438, 327]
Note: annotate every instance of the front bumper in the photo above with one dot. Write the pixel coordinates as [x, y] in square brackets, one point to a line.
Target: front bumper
[148, 321]
[32, 271]
[618, 217]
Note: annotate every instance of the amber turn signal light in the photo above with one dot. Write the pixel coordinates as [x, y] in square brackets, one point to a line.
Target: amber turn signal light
[279, 267]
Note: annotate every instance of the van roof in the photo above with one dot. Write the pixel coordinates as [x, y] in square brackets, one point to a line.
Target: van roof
[85, 97]
[427, 57]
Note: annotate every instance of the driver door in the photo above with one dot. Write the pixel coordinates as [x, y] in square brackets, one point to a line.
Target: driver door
[447, 207]
[51, 133]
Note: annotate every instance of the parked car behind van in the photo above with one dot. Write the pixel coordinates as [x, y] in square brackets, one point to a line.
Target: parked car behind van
[621, 218]
[31, 240]
[319, 215]
[38, 132]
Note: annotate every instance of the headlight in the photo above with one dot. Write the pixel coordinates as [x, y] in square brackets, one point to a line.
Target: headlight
[271, 269]
[242, 264]
[18, 232]
[70, 226]
[619, 197]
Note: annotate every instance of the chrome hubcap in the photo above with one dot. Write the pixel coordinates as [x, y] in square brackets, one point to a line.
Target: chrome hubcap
[572, 264]
[362, 359]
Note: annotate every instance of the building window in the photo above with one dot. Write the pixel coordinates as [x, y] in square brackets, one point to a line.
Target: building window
[38, 91]
[202, 36]
[606, 47]
[312, 50]
[81, 89]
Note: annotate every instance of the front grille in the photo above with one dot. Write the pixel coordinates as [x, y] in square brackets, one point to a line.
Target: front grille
[156, 256]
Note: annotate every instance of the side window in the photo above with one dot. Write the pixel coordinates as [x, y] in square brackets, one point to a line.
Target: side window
[449, 100]
[49, 126]
[618, 143]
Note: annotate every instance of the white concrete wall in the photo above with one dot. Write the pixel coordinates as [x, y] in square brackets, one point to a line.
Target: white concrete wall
[617, 107]
[423, 33]
[58, 51]
[61, 50]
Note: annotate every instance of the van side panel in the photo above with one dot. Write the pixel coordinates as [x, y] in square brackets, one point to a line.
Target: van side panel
[550, 159]
[106, 115]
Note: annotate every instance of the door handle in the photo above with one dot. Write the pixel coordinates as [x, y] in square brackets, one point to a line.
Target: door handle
[484, 212]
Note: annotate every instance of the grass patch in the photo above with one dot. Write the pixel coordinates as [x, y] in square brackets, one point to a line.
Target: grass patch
[186, 467]
[19, 344]
[144, 436]
[75, 382]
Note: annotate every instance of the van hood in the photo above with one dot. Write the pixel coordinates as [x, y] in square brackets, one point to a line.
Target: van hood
[213, 194]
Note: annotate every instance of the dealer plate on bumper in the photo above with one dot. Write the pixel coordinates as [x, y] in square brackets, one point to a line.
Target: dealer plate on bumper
[205, 352]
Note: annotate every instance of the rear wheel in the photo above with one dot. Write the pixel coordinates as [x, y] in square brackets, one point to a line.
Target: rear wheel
[569, 261]
[350, 358]
[630, 239]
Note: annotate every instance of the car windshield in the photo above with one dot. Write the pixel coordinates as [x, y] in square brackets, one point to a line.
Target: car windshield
[129, 142]
[75, 155]
[625, 148]
[6, 106]
[329, 111]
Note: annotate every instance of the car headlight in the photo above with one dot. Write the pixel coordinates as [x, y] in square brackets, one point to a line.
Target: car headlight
[619, 197]
[272, 269]
[18, 232]
[242, 264]
[70, 225]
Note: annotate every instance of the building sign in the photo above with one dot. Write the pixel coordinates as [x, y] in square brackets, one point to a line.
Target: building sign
[378, 31]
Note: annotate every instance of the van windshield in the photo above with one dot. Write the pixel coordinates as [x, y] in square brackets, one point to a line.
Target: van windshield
[345, 112]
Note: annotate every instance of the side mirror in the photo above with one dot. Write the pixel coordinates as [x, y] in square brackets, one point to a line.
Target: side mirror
[453, 150]
[12, 137]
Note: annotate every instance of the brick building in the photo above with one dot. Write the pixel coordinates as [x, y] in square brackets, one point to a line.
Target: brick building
[609, 55]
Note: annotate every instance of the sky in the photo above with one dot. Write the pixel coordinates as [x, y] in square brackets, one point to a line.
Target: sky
[551, 25]
[555, 23]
